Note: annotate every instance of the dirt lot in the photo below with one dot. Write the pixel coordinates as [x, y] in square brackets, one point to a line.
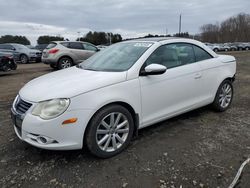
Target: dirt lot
[198, 149]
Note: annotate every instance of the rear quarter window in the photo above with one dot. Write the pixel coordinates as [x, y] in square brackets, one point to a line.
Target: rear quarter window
[201, 54]
[65, 44]
[51, 45]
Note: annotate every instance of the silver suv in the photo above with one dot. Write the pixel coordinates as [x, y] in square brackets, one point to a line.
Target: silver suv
[64, 54]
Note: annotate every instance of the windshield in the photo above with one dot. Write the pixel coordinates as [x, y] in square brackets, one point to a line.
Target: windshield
[118, 57]
[20, 46]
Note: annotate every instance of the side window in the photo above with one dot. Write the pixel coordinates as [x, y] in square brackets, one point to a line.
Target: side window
[65, 44]
[6, 46]
[76, 45]
[2, 46]
[89, 47]
[201, 54]
[172, 55]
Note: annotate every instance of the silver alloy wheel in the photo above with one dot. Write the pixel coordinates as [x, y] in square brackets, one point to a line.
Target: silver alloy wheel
[24, 59]
[65, 63]
[225, 95]
[112, 132]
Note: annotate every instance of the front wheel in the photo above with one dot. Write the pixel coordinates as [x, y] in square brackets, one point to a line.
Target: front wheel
[24, 59]
[224, 96]
[109, 131]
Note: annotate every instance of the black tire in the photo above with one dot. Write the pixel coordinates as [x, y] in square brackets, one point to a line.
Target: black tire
[216, 49]
[216, 105]
[91, 136]
[24, 59]
[64, 62]
[13, 66]
[53, 66]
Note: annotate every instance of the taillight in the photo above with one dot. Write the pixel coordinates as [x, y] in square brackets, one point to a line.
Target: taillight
[53, 51]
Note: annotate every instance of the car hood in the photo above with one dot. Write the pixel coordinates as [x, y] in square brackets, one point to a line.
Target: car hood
[35, 51]
[68, 83]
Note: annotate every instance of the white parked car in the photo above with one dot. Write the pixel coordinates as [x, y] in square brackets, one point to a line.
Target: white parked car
[104, 101]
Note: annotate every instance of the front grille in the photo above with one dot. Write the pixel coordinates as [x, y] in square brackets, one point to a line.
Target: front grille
[22, 106]
[39, 53]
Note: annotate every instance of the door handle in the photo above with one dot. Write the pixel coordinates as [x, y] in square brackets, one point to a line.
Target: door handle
[197, 75]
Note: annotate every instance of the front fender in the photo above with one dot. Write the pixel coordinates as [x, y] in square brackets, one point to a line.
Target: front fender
[126, 92]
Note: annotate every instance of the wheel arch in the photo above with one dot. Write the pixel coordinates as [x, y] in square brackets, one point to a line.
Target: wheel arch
[20, 55]
[67, 57]
[230, 78]
[135, 116]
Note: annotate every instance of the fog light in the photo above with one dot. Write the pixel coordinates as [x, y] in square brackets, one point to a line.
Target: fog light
[42, 140]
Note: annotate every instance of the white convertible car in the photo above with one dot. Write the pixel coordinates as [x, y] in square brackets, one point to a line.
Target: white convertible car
[105, 100]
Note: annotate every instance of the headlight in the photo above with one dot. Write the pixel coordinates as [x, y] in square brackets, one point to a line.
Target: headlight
[51, 108]
[33, 53]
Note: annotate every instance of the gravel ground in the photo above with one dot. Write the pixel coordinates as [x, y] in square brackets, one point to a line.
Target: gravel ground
[201, 148]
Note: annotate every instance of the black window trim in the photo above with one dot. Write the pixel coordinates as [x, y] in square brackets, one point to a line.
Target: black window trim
[144, 64]
[201, 49]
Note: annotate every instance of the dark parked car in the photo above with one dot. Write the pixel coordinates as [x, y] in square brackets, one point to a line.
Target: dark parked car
[41, 47]
[7, 62]
[243, 46]
[246, 46]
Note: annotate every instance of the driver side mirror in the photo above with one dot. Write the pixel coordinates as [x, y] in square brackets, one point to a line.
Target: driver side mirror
[153, 69]
[13, 48]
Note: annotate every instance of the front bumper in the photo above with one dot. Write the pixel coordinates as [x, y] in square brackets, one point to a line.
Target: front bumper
[34, 130]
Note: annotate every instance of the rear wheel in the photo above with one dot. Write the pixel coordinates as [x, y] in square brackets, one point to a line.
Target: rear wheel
[224, 96]
[24, 59]
[109, 131]
[64, 62]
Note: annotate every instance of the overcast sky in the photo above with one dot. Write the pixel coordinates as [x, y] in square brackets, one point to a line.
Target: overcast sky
[130, 18]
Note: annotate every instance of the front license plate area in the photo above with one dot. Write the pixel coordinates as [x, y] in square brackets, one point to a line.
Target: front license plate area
[17, 121]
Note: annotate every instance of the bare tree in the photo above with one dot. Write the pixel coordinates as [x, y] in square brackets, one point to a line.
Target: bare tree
[233, 29]
[209, 32]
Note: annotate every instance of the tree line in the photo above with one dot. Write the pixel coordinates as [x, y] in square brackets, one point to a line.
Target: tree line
[233, 29]
[96, 38]
[14, 39]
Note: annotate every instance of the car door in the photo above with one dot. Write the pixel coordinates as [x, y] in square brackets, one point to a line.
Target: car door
[90, 49]
[210, 68]
[78, 51]
[175, 91]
